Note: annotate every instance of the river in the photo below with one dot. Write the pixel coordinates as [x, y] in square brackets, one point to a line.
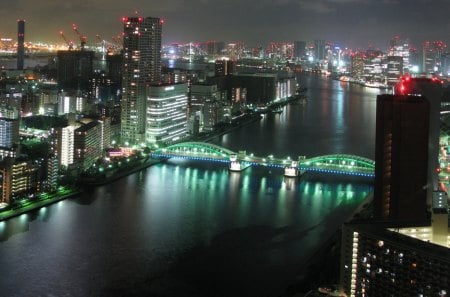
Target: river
[185, 228]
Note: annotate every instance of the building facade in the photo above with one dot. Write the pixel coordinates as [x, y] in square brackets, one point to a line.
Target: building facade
[401, 157]
[166, 113]
[141, 66]
[74, 69]
[383, 261]
[87, 145]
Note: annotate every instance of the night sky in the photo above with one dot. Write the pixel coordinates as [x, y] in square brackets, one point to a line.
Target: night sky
[354, 23]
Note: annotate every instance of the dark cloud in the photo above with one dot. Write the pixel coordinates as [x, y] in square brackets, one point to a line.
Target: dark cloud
[352, 22]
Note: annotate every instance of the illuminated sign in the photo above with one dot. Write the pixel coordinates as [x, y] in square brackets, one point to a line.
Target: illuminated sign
[171, 88]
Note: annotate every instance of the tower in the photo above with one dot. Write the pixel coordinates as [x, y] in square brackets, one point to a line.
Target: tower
[406, 150]
[20, 44]
[141, 66]
[319, 50]
[401, 157]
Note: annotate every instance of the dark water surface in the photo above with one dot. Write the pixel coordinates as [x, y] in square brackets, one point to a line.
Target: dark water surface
[186, 228]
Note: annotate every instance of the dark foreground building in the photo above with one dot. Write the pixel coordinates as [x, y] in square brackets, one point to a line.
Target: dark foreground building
[377, 261]
[401, 157]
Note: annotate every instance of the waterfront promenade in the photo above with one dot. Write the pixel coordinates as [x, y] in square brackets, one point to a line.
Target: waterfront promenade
[43, 200]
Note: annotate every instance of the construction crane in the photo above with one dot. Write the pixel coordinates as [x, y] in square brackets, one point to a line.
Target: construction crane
[68, 43]
[82, 38]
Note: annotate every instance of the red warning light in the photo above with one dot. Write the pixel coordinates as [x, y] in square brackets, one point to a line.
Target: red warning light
[161, 21]
[124, 19]
[140, 20]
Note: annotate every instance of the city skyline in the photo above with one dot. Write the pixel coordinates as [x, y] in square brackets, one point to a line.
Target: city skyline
[354, 23]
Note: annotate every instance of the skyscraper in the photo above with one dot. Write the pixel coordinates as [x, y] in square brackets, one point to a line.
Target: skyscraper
[319, 50]
[401, 157]
[20, 43]
[75, 69]
[141, 66]
[433, 91]
[299, 49]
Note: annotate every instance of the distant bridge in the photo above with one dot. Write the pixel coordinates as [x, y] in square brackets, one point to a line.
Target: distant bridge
[331, 164]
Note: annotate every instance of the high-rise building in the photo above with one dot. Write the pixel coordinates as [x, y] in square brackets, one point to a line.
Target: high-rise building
[299, 49]
[141, 66]
[431, 56]
[319, 50]
[20, 44]
[9, 133]
[357, 64]
[166, 113]
[401, 157]
[394, 69]
[433, 91]
[65, 145]
[224, 67]
[75, 69]
[87, 144]
[401, 48]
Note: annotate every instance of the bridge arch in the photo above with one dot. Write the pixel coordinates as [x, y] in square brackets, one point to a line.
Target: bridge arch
[196, 148]
[346, 162]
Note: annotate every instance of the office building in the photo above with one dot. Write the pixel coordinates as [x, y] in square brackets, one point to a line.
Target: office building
[400, 48]
[166, 113]
[224, 67]
[432, 90]
[401, 157]
[299, 50]
[319, 50]
[74, 69]
[20, 44]
[357, 64]
[432, 52]
[394, 69]
[141, 66]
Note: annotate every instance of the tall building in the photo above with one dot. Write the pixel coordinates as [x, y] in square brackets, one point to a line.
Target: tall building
[166, 113]
[299, 49]
[75, 69]
[431, 56]
[319, 50]
[401, 48]
[9, 137]
[20, 44]
[357, 64]
[433, 91]
[394, 69]
[141, 66]
[224, 67]
[401, 157]
[87, 146]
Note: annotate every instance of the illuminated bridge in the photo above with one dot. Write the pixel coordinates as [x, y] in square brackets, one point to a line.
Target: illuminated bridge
[332, 164]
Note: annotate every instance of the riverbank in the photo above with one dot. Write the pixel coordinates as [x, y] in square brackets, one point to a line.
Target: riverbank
[33, 205]
[100, 181]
